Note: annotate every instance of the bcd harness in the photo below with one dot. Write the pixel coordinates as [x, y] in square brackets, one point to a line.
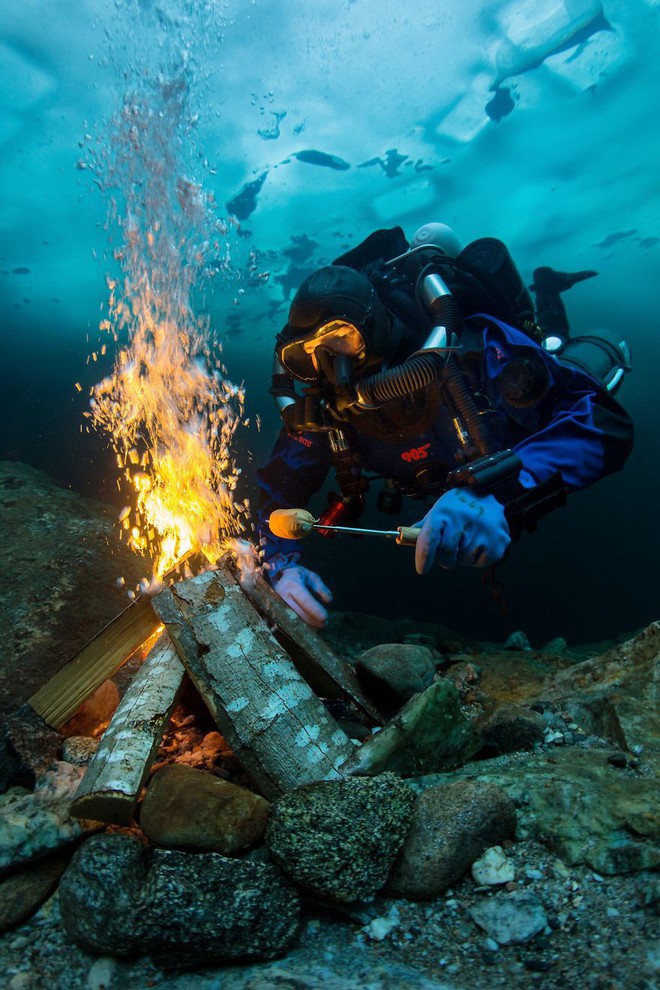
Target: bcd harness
[411, 287]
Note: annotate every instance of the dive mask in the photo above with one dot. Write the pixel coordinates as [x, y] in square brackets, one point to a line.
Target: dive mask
[338, 337]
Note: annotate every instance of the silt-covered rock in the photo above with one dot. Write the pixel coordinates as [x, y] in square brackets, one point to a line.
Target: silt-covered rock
[452, 825]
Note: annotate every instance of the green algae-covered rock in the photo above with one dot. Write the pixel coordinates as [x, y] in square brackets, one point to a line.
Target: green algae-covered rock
[429, 734]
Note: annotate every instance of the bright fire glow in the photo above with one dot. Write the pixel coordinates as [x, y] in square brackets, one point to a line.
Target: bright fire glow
[167, 405]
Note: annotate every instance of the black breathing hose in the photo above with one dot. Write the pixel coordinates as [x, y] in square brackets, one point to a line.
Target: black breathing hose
[463, 400]
[417, 372]
[420, 369]
[428, 366]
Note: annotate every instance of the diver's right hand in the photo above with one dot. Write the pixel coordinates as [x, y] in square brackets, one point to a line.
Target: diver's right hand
[304, 591]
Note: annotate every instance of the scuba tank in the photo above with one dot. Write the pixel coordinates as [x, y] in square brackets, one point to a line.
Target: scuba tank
[603, 354]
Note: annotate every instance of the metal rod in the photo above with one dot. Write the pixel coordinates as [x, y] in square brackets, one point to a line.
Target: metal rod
[391, 533]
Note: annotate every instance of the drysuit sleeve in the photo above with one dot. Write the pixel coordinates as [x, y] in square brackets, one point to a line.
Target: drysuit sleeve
[576, 427]
[296, 470]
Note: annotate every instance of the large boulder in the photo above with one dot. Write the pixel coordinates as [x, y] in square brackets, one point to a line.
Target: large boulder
[183, 909]
[615, 694]
[64, 557]
[338, 839]
[451, 828]
[572, 799]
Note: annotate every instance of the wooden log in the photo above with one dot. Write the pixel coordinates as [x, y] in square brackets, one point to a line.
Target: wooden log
[66, 690]
[274, 723]
[111, 787]
[326, 673]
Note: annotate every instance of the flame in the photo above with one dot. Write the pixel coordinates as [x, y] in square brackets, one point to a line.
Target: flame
[167, 406]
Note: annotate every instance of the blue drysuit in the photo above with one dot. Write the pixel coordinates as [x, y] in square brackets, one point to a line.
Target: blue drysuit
[576, 428]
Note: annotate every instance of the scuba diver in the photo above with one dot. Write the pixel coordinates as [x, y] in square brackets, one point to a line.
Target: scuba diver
[427, 367]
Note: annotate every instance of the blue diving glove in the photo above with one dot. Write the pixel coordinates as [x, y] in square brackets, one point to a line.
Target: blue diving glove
[463, 529]
[304, 591]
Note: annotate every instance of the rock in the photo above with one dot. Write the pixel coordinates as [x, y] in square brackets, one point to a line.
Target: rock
[101, 973]
[191, 809]
[510, 728]
[511, 919]
[182, 909]
[452, 826]
[585, 810]
[79, 750]
[557, 645]
[517, 641]
[380, 927]
[430, 731]
[64, 555]
[28, 746]
[618, 760]
[99, 894]
[34, 823]
[338, 839]
[392, 673]
[95, 713]
[24, 891]
[615, 694]
[493, 868]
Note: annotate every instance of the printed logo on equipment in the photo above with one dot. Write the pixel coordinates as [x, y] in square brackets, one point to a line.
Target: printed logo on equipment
[416, 453]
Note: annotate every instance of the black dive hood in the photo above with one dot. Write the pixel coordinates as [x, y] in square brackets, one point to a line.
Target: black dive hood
[327, 403]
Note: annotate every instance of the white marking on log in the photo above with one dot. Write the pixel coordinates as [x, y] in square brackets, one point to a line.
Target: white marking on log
[111, 786]
[268, 714]
[238, 705]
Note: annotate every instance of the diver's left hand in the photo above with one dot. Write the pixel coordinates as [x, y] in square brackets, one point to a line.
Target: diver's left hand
[462, 529]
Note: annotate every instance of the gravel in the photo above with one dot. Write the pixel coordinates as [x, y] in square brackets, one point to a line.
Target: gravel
[600, 936]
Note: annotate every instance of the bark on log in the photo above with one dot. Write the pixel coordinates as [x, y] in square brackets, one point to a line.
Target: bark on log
[268, 714]
[326, 673]
[111, 787]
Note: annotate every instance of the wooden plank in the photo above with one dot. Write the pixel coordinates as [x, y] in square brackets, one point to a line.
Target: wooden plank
[268, 714]
[111, 787]
[66, 690]
[326, 673]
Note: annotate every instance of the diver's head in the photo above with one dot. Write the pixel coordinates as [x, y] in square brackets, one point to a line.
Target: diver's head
[437, 235]
[335, 313]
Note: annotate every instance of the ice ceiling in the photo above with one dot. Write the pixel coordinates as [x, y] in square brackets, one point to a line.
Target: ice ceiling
[318, 121]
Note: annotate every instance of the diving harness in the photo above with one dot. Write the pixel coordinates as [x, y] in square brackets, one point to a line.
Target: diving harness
[486, 468]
